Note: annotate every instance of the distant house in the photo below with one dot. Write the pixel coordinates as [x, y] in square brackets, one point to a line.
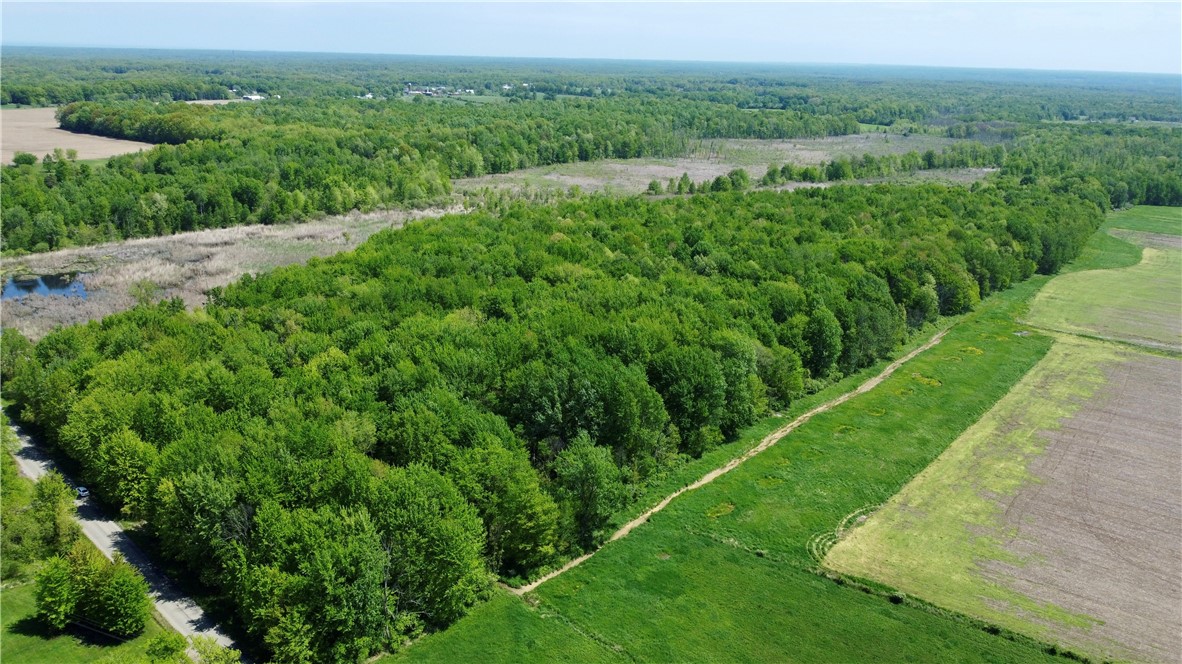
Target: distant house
[252, 97]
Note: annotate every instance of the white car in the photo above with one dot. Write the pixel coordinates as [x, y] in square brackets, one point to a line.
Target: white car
[83, 492]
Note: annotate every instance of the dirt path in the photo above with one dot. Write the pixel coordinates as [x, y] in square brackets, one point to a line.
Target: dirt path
[769, 440]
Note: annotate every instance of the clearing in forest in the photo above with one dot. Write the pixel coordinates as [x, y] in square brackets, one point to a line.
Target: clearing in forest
[185, 265]
[718, 157]
[1059, 513]
[35, 130]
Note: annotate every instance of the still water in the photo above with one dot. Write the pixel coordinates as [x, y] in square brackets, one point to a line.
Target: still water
[69, 284]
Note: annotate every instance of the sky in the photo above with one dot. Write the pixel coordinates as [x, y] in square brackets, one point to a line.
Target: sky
[1097, 36]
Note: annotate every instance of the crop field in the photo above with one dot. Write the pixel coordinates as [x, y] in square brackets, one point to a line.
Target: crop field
[717, 157]
[1137, 304]
[1059, 513]
[726, 572]
[186, 265]
[35, 130]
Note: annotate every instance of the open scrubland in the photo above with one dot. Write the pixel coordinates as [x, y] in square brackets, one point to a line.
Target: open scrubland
[35, 130]
[1059, 513]
[711, 159]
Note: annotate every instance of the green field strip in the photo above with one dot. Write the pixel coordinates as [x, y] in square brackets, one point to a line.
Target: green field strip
[1148, 219]
[1141, 304]
[506, 629]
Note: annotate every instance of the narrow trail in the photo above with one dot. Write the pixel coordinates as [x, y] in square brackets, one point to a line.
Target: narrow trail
[769, 440]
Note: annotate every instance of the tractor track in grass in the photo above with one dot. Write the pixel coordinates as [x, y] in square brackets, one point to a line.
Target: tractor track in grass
[768, 441]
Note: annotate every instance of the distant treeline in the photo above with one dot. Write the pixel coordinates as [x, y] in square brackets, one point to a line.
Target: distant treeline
[873, 94]
[347, 451]
[272, 162]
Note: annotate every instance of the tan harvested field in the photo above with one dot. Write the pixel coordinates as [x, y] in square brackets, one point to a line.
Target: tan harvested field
[35, 130]
[185, 265]
[713, 158]
[1100, 526]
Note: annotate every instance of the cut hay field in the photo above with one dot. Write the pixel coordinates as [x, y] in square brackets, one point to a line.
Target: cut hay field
[1059, 513]
[35, 130]
[728, 572]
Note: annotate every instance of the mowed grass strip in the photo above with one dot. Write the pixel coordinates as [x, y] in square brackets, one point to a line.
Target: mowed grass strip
[1140, 304]
[931, 538]
[506, 629]
[1148, 219]
[726, 574]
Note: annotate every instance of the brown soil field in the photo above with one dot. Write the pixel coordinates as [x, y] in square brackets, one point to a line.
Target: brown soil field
[35, 130]
[185, 265]
[1102, 523]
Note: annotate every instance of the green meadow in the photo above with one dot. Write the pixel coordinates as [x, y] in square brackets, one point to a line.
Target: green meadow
[1136, 303]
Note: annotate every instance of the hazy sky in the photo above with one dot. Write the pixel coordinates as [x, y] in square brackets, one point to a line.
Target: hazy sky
[1104, 36]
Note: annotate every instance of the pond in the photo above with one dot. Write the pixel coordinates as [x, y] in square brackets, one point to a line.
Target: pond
[68, 284]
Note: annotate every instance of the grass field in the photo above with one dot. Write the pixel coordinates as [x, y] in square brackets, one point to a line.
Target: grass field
[1059, 513]
[1137, 304]
[1148, 219]
[726, 572]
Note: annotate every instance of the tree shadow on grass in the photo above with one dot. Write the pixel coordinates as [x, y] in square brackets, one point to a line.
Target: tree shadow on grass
[34, 627]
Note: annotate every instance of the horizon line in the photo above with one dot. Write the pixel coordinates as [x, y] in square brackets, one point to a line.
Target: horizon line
[589, 59]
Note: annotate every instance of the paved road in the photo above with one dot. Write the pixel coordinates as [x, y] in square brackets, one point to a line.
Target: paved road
[175, 607]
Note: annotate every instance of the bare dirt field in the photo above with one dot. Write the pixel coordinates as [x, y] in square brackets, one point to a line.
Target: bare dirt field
[1101, 525]
[185, 265]
[35, 130]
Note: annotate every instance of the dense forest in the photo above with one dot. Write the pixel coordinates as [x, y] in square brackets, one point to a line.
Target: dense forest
[286, 161]
[291, 160]
[350, 450]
